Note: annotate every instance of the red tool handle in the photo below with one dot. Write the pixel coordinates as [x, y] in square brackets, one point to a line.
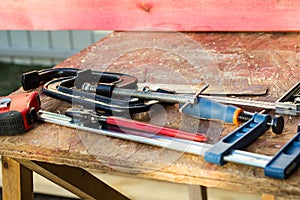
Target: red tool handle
[136, 125]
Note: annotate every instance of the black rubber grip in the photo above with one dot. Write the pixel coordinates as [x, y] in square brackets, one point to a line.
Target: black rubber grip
[105, 89]
[11, 123]
[30, 80]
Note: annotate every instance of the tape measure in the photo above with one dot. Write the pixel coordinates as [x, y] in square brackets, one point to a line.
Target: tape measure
[18, 112]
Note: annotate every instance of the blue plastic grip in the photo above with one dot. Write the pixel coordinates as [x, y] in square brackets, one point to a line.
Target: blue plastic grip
[209, 109]
[286, 160]
[238, 139]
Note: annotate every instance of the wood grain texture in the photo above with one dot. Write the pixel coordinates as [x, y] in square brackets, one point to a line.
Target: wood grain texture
[220, 59]
[17, 180]
[187, 15]
[267, 197]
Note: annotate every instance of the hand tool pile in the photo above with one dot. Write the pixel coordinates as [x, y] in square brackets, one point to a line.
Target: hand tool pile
[103, 95]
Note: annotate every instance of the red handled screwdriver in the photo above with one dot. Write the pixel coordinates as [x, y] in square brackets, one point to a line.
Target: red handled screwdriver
[136, 125]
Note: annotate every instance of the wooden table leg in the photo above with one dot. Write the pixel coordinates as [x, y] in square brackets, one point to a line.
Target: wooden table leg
[197, 192]
[76, 180]
[17, 181]
[268, 197]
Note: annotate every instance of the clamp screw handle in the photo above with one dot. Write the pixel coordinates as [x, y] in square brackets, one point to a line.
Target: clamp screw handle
[277, 124]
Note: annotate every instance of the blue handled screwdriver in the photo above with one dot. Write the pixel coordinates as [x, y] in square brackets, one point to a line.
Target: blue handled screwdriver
[208, 109]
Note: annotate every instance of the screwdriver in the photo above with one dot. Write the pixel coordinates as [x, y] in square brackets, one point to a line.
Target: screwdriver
[208, 109]
[89, 116]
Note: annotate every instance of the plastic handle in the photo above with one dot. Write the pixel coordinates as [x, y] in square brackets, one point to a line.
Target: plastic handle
[286, 161]
[208, 109]
[131, 124]
[238, 139]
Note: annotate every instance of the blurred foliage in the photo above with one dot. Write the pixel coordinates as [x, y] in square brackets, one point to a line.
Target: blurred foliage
[10, 76]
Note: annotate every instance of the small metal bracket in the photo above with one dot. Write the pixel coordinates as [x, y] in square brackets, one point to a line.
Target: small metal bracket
[289, 103]
[194, 101]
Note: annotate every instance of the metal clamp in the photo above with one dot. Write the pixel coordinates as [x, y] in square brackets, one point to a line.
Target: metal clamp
[287, 160]
[238, 139]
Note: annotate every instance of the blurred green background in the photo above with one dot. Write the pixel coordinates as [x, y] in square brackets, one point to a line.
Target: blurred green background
[10, 76]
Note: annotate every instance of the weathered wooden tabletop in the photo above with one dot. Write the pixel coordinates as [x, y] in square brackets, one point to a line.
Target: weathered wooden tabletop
[224, 60]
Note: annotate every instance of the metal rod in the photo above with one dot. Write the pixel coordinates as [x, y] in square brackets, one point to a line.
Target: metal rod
[153, 96]
[171, 98]
[242, 102]
[196, 148]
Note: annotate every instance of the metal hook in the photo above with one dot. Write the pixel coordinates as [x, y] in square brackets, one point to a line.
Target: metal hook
[195, 97]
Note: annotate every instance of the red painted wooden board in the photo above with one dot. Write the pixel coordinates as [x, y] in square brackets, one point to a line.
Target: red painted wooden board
[179, 15]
